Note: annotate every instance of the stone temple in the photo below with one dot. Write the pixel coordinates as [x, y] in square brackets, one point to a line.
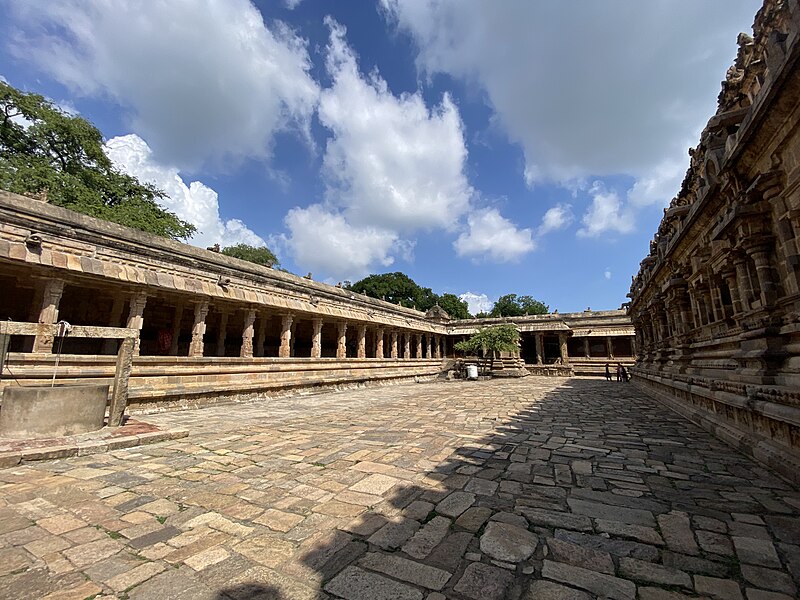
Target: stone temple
[254, 448]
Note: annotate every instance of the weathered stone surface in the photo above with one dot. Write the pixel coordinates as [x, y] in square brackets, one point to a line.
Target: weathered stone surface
[508, 543]
[357, 584]
[455, 504]
[594, 560]
[406, 570]
[592, 581]
[769, 579]
[612, 513]
[677, 532]
[724, 589]
[547, 590]
[394, 534]
[616, 547]
[427, 538]
[640, 533]
[756, 552]
[473, 518]
[640, 570]
[484, 582]
[561, 520]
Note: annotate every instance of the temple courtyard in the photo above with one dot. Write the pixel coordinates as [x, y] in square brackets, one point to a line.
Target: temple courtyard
[534, 488]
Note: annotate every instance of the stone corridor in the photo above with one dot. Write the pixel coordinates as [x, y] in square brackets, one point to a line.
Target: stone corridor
[529, 488]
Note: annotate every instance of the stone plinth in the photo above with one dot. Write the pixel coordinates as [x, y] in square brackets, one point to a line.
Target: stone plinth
[44, 412]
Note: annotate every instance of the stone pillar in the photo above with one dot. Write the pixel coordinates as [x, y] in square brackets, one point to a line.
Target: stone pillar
[562, 346]
[341, 345]
[362, 342]
[379, 343]
[406, 345]
[222, 333]
[733, 288]
[419, 345]
[610, 346]
[176, 329]
[48, 313]
[394, 345]
[428, 338]
[316, 338]
[743, 281]
[246, 350]
[198, 329]
[293, 338]
[135, 316]
[110, 346]
[285, 350]
[766, 275]
[437, 347]
[262, 333]
[586, 352]
[539, 349]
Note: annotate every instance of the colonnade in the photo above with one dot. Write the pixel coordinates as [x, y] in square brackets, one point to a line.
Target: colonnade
[396, 342]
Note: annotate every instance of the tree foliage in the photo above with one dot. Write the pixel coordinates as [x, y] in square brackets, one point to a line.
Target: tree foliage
[488, 341]
[260, 255]
[399, 288]
[44, 150]
[454, 306]
[512, 305]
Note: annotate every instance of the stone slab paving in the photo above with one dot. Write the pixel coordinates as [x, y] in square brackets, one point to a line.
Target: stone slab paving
[521, 489]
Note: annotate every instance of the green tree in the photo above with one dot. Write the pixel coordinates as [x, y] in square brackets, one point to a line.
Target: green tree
[397, 288]
[511, 305]
[44, 150]
[260, 255]
[454, 306]
[488, 341]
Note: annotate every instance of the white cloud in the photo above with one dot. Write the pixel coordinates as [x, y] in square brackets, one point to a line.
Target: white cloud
[292, 4]
[491, 237]
[476, 302]
[606, 213]
[323, 240]
[660, 185]
[196, 203]
[392, 167]
[557, 217]
[204, 80]
[607, 273]
[601, 89]
[391, 162]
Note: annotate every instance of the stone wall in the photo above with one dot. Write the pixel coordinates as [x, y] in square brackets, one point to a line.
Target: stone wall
[716, 303]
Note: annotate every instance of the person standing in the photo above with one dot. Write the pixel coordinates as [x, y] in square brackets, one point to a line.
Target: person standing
[608, 372]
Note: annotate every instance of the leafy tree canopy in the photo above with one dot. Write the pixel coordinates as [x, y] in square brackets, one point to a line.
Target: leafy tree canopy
[454, 306]
[497, 338]
[512, 305]
[259, 255]
[44, 150]
[399, 288]
[490, 340]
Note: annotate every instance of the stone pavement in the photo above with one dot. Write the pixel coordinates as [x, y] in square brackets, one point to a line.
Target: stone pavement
[530, 488]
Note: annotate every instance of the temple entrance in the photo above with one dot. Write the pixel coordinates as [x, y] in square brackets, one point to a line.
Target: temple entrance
[527, 349]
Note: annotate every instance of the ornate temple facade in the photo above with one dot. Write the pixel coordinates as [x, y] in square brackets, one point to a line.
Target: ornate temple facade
[214, 328]
[716, 303]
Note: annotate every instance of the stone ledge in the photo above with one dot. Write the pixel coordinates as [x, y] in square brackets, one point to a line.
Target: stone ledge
[781, 459]
[133, 433]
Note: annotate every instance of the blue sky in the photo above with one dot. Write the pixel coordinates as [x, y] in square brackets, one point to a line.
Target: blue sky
[480, 147]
